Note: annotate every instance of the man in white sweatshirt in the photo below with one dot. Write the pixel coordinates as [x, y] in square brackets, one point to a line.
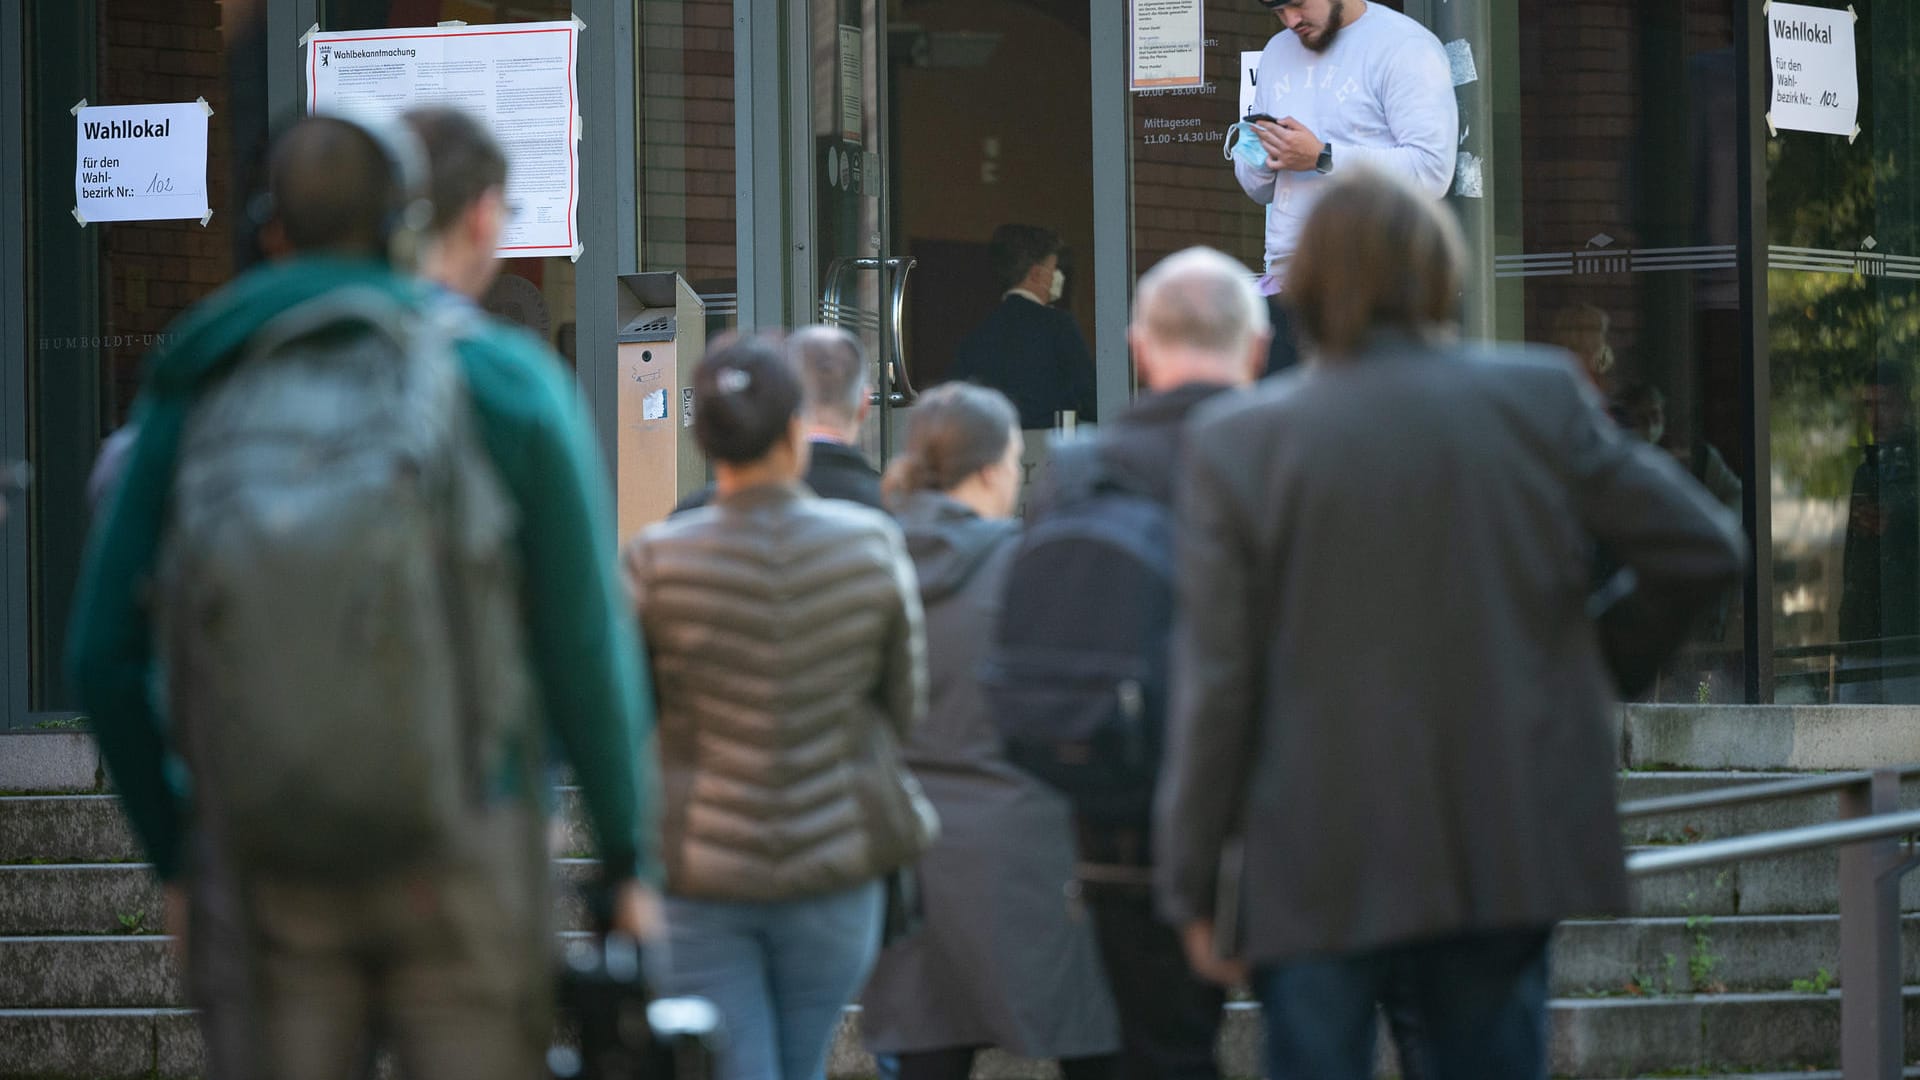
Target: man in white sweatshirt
[1349, 84]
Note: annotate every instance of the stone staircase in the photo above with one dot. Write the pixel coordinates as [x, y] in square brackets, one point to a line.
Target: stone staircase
[1722, 973]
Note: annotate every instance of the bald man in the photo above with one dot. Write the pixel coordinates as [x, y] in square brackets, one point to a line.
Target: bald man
[1200, 329]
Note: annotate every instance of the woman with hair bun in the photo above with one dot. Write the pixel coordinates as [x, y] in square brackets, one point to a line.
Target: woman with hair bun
[785, 637]
[1007, 956]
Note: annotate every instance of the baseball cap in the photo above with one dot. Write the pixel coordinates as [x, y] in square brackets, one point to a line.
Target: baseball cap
[1276, 5]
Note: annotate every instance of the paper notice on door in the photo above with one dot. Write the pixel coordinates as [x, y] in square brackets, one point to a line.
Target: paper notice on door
[140, 162]
[852, 84]
[1249, 80]
[1169, 44]
[1816, 74]
[518, 79]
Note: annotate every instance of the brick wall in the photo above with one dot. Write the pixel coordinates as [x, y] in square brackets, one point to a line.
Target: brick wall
[686, 69]
[154, 51]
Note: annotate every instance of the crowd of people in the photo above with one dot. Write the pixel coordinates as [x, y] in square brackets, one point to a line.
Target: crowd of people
[355, 583]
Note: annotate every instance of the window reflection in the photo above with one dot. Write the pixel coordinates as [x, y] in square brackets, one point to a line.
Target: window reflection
[1843, 323]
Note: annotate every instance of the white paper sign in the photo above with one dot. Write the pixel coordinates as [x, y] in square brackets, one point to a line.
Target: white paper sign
[1249, 79]
[517, 79]
[1169, 44]
[853, 115]
[140, 162]
[1816, 76]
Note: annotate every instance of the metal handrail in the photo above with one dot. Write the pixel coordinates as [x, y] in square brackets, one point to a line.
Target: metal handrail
[1872, 1031]
[1747, 794]
[1740, 795]
[1766, 845]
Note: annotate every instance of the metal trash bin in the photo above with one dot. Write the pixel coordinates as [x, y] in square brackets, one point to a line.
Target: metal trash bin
[663, 335]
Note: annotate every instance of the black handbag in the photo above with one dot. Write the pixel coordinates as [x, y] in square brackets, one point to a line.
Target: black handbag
[624, 1032]
[905, 911]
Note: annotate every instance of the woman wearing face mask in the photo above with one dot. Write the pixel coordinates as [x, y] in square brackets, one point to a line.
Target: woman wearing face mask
[1028, 349]
[787, 652]
[1007, 956]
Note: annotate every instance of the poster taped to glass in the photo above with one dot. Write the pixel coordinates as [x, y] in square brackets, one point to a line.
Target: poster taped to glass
[518, 79]
[1168, 44]
[1816, 70]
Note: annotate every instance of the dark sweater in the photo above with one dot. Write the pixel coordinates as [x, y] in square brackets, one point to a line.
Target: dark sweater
[835, 472]
[1035, 355]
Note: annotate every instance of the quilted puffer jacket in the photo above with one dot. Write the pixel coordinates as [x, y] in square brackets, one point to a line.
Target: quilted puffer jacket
[789, 661]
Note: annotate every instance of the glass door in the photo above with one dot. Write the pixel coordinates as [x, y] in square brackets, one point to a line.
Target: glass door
[853, 279]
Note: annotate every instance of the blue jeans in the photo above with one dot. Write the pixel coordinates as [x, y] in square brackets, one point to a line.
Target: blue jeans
[781, 974]
[1479, 1003]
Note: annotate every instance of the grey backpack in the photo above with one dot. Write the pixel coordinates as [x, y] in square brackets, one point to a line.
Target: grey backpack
[337, 604]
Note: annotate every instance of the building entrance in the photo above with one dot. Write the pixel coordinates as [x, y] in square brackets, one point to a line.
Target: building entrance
[992, 125]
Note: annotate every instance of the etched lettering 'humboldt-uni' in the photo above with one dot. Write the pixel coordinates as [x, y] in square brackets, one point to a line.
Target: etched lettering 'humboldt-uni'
[128, 129]
[1802, 31]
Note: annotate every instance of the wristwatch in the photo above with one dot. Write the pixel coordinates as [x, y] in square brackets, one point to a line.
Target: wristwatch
[1325, 164]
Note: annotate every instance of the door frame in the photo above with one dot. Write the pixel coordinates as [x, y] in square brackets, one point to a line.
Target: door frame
[774, 182]
[765, 73]
[1112, 206]
[14, 630]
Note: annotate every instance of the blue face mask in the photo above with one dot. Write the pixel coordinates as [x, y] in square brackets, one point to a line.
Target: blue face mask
[1243, 144]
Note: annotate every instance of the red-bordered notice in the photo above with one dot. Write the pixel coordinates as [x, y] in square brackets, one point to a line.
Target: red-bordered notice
[519, 79]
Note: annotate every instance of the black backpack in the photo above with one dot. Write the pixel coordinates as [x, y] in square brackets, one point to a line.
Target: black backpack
[1077, 672]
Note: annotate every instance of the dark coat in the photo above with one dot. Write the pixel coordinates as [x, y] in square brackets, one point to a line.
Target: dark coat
[789, 663]
[833, 472]
[1007, 955]
[1035, 355]
[1385, 668]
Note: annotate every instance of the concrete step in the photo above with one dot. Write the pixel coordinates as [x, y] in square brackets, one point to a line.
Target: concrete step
[65, 828]
[1804, 884]
[1702, 1034]
[121, 898]
[1632, 957]
[100, 971]
[1666, 956]
[98, 1044]
[94, 971]
[1730, 1034]
[91, 898]
[91, 828]
[50, 761]
[1791, 738]
[79, 898]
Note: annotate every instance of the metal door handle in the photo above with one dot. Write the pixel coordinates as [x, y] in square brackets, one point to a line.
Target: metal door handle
[895, 381]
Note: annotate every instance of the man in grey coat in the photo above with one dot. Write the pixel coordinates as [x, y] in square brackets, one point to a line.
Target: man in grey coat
[1391, 701]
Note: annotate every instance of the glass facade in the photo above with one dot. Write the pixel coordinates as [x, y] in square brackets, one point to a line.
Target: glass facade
[1843, 321]
[1596, 185]
[99, 298]
[1743, 300]
[685, 143]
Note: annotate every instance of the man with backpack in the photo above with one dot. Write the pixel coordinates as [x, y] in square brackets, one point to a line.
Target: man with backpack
[361, 550]
[1079, 669]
